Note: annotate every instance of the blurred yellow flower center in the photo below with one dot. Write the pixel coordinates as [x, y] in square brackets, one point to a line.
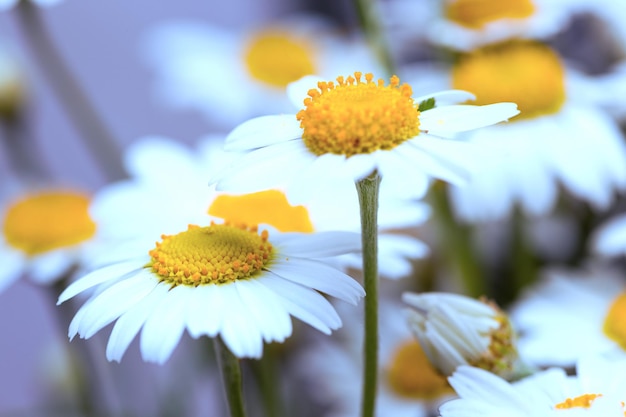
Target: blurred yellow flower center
[411, 375]
[582, 401]
[46, 221]
[275, 58]
[615, 321]
[475, 14]
[217, 254]
[524, 72]
[358, 116]
[265, 207]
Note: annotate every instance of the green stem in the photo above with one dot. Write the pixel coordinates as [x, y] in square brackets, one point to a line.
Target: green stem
[456, 241]
[91, 128]
[231, 378]
[371, 27]
[265, 371]
[524, 263]
[368, 201]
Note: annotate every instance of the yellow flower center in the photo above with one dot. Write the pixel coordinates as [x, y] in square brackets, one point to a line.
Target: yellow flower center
[583, 401]
[275, 58]
[475, 14]
[524, 72]
[217, 254]
[49, 220]
[411, 374]
[355, 116]
[615, 321]
[265, 207]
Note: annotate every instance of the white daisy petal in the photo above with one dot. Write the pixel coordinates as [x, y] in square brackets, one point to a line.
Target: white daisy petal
[317, 245]
[203, 311]
[461, 118]
[241, 335]
[13, 263]
[298, 90]
[263, 131]
[448, 97]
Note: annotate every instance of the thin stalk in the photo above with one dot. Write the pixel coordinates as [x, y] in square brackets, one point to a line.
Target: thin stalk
[265, 371]
[368, 201]
[231, 378]
[524, 262]
[370, 25]
[91, 128]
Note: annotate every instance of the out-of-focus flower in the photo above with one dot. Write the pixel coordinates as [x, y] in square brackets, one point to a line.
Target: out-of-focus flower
[223, 280]
[610, 238]
[596, 390]
[44, 234]
[8, 4]
[134, 207]
[553, 141]
[349, 129]
[409, 386]
[570, 314]
[12, 88]
[456, 330]
[233, 76]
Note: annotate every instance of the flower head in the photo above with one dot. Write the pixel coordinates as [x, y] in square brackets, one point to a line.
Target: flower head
[456, 330]
[353, 127]
[237, 282]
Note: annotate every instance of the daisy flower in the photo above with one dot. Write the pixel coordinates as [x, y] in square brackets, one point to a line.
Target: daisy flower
[196, 64]
[469, 24]
[135, 207]
[554, 141]
[239, 283]
[409, 385]
[569, 314]
[596, 390]
[456, 330]
[610, 238]
[349, 129]
[44, 235]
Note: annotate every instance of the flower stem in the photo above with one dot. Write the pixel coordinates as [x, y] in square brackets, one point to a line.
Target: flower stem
[371, 28]
[231, 378]
[88, 123]
[367, 189]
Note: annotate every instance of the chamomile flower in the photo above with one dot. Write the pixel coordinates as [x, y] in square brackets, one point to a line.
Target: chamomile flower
[236, 282]
[456, 330]
[196, 64]
[349, 129]
[610, 238]
[554, 141]
[409, 385]
[596, 390]
[44, 235]
[570, 314]
[135, 207]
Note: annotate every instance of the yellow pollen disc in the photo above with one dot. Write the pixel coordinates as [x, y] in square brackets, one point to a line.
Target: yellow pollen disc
[217, 254]
[524, 72]
[411, 375]
[265, 207]
[615, 321]
[583, 401]
[46, 221]
[275, 58]
[358, 116]
[475, 14]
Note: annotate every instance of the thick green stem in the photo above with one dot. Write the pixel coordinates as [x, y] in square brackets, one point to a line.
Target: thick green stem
[371, 27]
[231, 378]
[457, 243]
[91, 128]
[368, 200]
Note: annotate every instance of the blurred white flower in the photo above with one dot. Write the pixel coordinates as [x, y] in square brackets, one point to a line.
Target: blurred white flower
[456, 330]
[596, 390]
[232, 76]
[569, 314]
[610, 238]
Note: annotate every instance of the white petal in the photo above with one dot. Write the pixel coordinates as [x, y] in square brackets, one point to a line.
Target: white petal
[319, 276]
[128, 324]
[439, 158]
[239, 330]
[461, 118]
[447, 96]
[263, 131]
[13, 264]
[205, 311]
[610, 238]
[316, 245]
[50, 266]
[98, 277]
[164, 327]
[298, 90]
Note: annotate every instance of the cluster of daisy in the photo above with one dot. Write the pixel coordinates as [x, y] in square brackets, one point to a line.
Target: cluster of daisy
[456, 238]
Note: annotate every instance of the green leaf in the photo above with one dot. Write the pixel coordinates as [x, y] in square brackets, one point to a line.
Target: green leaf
[427, 104]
